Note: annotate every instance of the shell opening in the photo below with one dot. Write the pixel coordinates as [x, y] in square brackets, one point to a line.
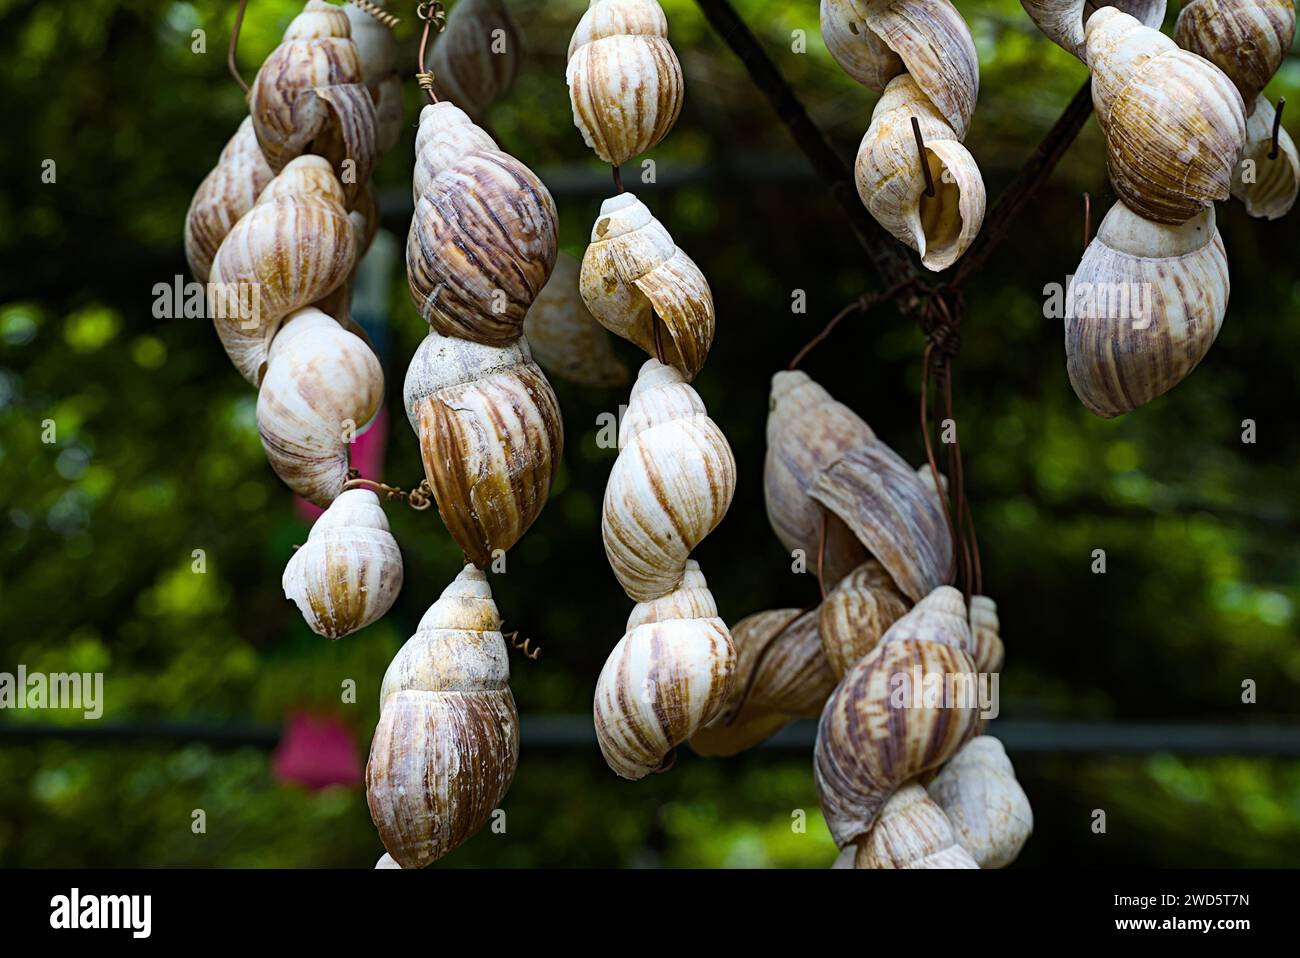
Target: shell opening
[940, 220]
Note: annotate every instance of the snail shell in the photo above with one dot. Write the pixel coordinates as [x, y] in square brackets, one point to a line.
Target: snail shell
[634, 274]
[1273, 184]
[565, 338]
[1246, 39]
[323, 384]
[477, 56]
[989, 810]
[912, 832]
[857, 613]
[986, 648]
[892, 185]
[667, 676]
[294, 247]
[1118, 361]
[376, 46]
[349, 572]
[625, 82]
[225, 194]
[490, 437]
[869, 743]
[670, 486]
[893, 512]
[875, 41]
[807, 430]
[1174, 124]
[445, 135]
[781, 674]
[482, 242]
[447, 742]
[1063, 20]
[308, 97]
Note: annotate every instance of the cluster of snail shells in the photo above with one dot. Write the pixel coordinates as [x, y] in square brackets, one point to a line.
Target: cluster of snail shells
[919, 54]
[481, 249]
[447, 743]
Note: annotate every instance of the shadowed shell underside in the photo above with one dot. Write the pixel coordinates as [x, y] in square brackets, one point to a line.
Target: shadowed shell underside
[565, 338]
[857, 613]
[477, 56]
[1267, 186]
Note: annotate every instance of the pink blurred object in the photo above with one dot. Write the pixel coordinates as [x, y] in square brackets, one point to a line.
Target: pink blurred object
[367, 456]
[316, 752]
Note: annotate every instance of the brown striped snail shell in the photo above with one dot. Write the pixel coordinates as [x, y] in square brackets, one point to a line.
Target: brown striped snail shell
[875, 41]
[1174, 124]
[912, 832]
[308, 97]
[294, 247]
[870, 740]
[323, 384]
[986, 648]
[1063, 21]
[988, 809]
[1266, 186]
[349, 571]
[445, 134]
[856, 614]
[670, 486]
[667, 676]
[1246, 39]
[477, 56]
[490, 437]
[625, 82]
[633, 275]
[225, 194]
[565, 338]
[482, 244]
[445, 749]
[1120, 356]
[781, 675]
[807, 430]
[896, 515]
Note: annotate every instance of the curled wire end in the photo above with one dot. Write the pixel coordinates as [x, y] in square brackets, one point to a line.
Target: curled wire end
[425, 80]
[421, 497]
[433, 12]
[524, 645]
[376, 11]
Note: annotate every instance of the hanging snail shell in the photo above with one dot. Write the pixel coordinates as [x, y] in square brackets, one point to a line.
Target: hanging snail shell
[874, 41]
[445, 135]
[482, 242]
[308, 97]
[986, 648]
[1120, 356]
[625, 83]
[895, 514]
[670, 486]
[1174, 123]
[225, 194]
[667, 676]
[490, 437]
[323, 384]
[292, 248]
[807, 430]
[633, 275]
[892, 184]
[988, 809]
[868, 743]
[1246, 39]
[1063, 20]
[856, 614]
[477, 56]
[447, 742]
[1266, 186]
[377, 50]
[781, 675]
[912, 832]
[349, 572]
[565, 338]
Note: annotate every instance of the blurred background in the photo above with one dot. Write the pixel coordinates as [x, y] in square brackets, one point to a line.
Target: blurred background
[218, 697]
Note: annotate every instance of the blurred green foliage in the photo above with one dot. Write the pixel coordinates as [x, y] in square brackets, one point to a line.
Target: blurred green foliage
[157, 455]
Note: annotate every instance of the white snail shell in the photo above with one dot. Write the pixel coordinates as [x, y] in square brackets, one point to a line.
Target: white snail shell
[856, 614]
[667, 676]
[633, 275]
[986, 649]
[989, 810]
[225, 194]
[447, 742]
[1118, 360]
[912, 832]
[625, 82]
[349, 572]
[1063, 21]
[1274, 182]
[670, 486]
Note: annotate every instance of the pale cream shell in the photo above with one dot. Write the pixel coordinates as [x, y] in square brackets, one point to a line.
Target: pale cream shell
[225, 194]
[1271, 192]
[989, 810]
[912, 832]
[1246, 39]
[1063, 21]
[857, 613]
[349, 572]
